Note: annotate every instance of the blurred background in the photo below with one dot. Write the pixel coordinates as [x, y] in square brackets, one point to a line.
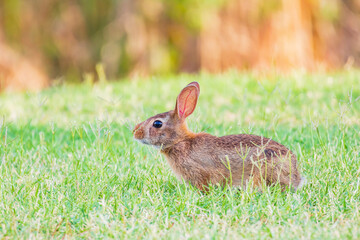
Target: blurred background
[47, 41]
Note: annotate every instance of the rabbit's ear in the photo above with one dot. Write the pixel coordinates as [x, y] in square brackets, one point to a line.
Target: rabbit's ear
[187, 99]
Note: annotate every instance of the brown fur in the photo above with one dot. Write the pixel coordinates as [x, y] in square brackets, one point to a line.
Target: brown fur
[201, 159]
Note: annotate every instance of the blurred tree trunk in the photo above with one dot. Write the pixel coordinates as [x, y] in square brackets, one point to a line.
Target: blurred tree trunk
[18, 73]
[285, 40]
[249, 34]
[350, 32]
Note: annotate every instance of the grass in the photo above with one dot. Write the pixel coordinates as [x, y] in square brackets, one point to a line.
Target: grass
[69, 167]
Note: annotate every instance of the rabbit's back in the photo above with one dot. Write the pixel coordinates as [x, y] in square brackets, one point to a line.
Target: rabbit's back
[261, 158]
[233, 158]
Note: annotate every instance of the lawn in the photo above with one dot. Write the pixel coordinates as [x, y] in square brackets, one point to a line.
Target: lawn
[70, 168]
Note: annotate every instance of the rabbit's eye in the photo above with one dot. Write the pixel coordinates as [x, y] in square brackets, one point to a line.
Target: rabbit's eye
[157, 124]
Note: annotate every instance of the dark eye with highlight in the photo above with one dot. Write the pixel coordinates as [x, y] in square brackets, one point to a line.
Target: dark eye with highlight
[157, 124]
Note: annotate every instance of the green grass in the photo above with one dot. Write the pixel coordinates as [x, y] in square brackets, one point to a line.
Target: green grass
[69, 167]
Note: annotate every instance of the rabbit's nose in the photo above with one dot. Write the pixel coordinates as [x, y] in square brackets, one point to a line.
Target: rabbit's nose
[138, 132]
[136, 127]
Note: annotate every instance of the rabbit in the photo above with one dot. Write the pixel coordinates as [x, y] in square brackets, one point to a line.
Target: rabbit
[202, 159]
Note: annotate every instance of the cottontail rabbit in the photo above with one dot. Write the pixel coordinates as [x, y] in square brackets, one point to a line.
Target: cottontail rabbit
[200, 158]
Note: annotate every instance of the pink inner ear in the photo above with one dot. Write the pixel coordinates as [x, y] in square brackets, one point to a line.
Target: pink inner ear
[182, 111]
[186, 101]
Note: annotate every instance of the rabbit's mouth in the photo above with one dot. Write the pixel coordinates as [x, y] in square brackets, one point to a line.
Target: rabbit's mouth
[143, 141]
